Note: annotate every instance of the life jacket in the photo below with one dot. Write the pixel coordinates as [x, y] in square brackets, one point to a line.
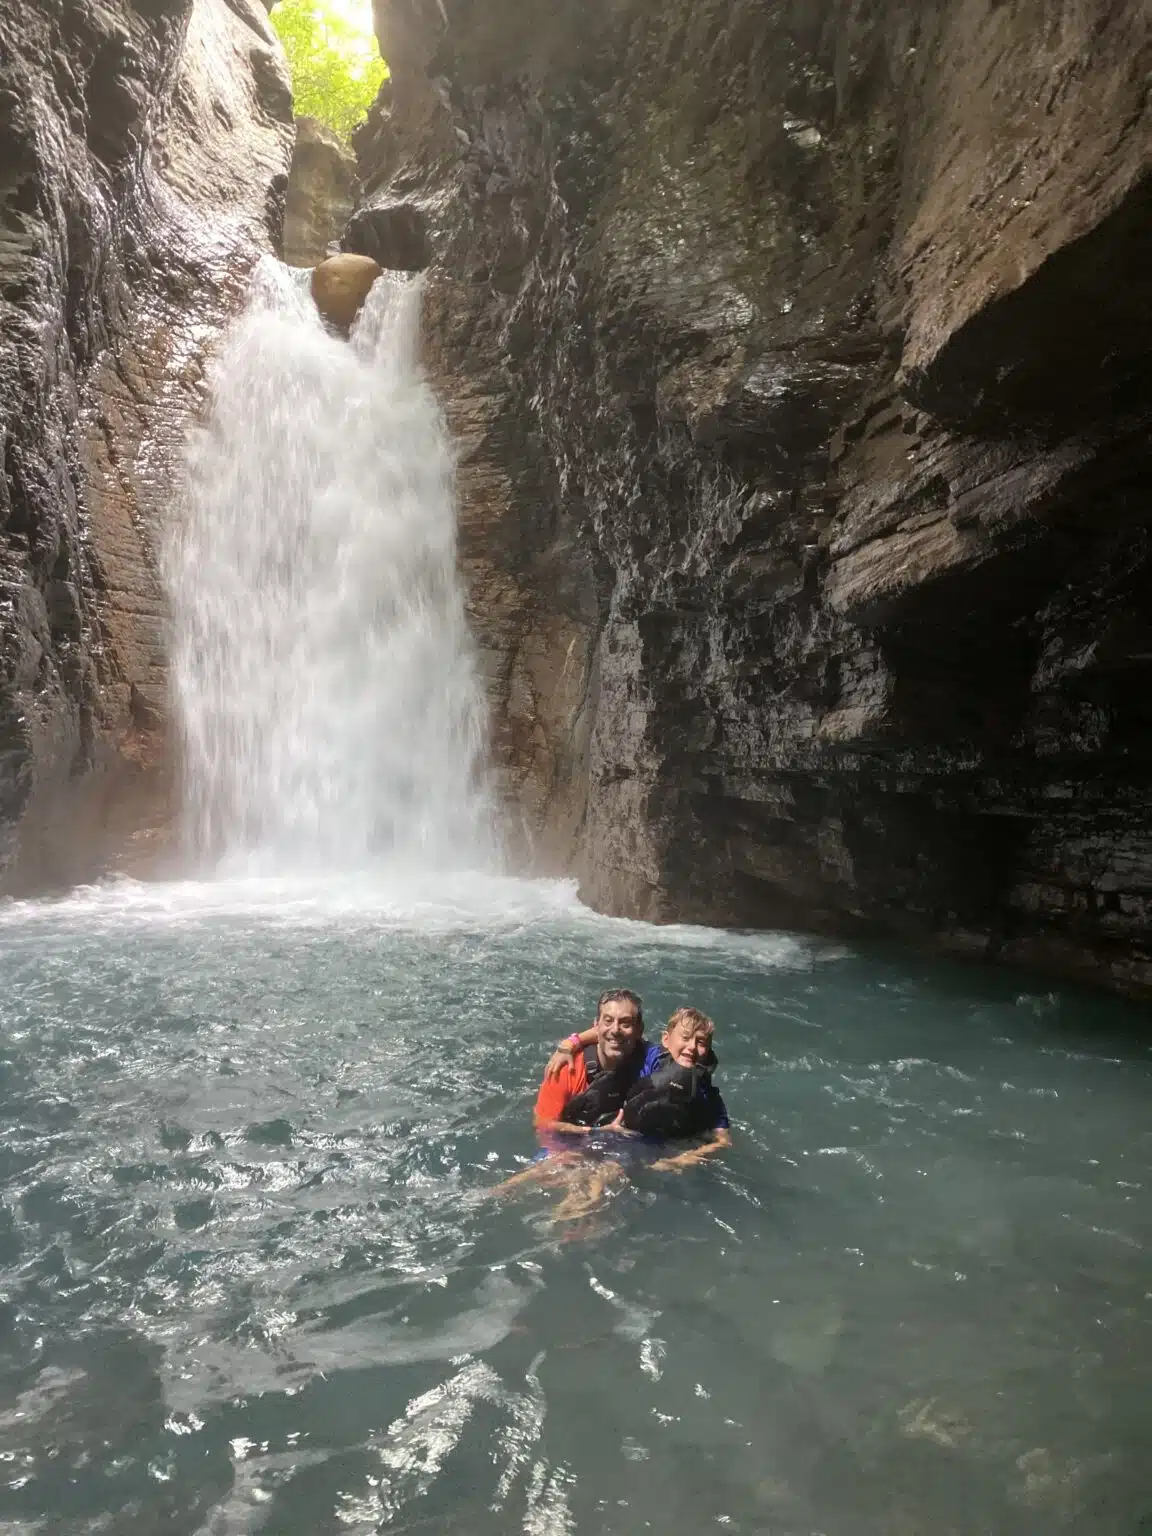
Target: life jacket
[607, 1089]
[673, 1102]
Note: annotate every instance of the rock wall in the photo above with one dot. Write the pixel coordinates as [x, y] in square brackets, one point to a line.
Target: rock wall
[321, 194]
[143, 156]
[798, 357]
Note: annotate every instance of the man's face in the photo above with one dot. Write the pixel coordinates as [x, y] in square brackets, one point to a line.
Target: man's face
[686, 1047]
[618, 1029]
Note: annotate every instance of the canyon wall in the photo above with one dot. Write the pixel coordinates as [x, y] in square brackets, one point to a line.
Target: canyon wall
[321, 194]
[144, 146]
[798, 356]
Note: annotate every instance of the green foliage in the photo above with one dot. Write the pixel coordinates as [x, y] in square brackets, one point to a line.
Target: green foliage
[336, 67]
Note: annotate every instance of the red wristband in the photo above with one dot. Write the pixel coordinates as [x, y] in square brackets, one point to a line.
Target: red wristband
[575, 1041]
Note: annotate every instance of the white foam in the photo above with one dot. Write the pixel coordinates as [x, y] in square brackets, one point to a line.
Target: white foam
[428, 903]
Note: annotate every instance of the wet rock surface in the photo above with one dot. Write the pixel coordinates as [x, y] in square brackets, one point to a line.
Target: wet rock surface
[798, 358]
[321, 194]
[143, 158]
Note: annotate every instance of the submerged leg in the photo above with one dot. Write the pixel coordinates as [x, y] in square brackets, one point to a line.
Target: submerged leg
[587, 1190]
[552, 1170]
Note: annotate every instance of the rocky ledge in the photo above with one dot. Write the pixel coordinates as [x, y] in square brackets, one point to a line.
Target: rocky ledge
[321, 194]
[144, 146]
[799, 360]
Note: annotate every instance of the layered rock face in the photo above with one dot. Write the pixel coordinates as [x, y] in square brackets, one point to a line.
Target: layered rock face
[798, 356]
[321, 193]
[143, 157]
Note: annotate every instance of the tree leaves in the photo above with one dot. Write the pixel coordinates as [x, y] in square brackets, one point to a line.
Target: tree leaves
[336, 68]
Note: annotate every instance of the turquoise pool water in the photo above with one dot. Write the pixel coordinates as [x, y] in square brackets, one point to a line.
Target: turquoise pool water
[251, 1279]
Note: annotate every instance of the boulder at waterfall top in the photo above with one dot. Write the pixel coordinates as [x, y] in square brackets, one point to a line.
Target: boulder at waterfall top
[340, 285]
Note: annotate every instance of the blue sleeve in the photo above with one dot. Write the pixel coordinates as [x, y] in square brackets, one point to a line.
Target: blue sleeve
[654, 1056]
[720, 1109]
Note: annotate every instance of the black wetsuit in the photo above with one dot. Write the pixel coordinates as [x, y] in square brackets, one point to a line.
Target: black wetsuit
[674, 1102]
[607, 1089]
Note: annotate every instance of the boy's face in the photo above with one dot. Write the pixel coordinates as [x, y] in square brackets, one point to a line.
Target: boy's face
[686, 1047]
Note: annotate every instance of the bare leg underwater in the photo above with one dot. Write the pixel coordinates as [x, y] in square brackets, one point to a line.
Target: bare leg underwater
[587, 1184]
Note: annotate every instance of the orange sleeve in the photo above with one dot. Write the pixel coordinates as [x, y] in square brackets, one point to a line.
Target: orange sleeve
[555, 1092]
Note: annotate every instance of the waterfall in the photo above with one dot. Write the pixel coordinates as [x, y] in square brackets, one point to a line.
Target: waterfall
[323, 681]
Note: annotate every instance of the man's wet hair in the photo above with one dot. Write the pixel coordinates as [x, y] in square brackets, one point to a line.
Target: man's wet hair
[620, 995]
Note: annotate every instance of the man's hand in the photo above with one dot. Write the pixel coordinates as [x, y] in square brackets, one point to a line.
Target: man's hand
[618, 1127]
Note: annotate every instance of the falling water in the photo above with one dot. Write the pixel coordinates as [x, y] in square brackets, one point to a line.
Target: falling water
[323, 679]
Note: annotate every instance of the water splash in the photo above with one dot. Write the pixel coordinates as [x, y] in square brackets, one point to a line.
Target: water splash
[324, 685]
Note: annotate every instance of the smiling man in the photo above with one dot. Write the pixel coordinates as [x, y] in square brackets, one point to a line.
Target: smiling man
[590, 1089]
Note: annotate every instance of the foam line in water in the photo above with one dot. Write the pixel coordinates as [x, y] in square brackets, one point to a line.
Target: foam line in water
[429, 903]
[323, 678]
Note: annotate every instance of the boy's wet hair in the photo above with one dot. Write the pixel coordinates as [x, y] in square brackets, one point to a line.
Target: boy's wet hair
[620, 995]
[690, 1021]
